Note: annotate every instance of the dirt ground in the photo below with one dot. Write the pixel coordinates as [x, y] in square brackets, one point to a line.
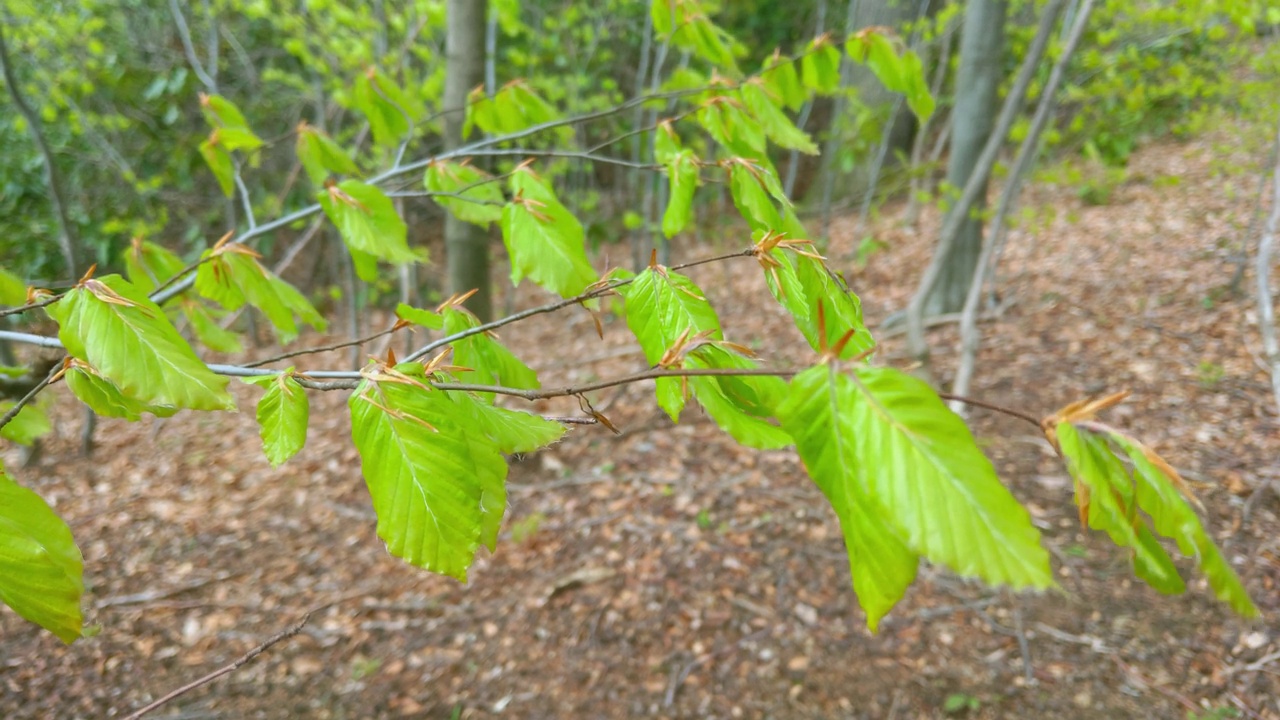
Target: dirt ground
[668, 572]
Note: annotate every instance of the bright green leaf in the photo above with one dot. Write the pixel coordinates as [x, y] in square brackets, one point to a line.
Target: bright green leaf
[114, 327]
[41, 571]
[420, 317]
[367, 221]
[321, 156]
[682, 173]
[219, 161]
[27, 426]
[488, 361]
[775, 123]
[283, 413]
[545, 241]
[478, 197]
[384, 105]
[105, 398]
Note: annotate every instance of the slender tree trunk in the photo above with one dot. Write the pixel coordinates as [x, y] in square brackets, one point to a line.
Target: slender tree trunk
[977, 83]
[67, 240]
[1030, 148]
[466, 246]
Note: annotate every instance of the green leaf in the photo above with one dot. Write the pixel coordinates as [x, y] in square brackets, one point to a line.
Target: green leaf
[682, 173]
[237, 139]
[662, 305]
[921, 463]
[708, 41]
[231, 276]
[114, 327]
[801, 284]
[742, 405]
[514, 431]
[487, 360]
[775, 123]
[754, 190]
[820, 67]
[219, 161]
[283, 413]
[1174, 518]
[13, 291]
[723, 118]
[27, 426]
[900, 73]
[367, 221]
[480, 198]
[815, 413]
[545, 241]
[783, 81]
[427, 469]
[420, 317]
[321, 156]
[220, 112]
[1105, 490]
[206, 329]
[666, 142]
[384, 105]
[105, 398]
[149, 265]
[41, 571]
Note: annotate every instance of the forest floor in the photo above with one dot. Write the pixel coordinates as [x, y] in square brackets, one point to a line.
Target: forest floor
[668, 572]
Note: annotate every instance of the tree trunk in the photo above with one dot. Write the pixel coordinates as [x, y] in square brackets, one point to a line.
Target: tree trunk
[466, 245]
[977, 82]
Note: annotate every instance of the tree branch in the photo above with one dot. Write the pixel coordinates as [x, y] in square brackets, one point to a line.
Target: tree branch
[225, 669]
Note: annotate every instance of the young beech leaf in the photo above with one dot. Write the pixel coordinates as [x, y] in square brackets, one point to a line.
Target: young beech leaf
[900, 73]
[104, 398]
[283, 413]
[220, 112]
[231, 276]
[114, 327]
[479, 198]
[663, 305]
[148, 265]
[545, 241]
[775, 123]
[321, 156]
[815, 413]
[206, 328]
[920, 462]
[27, 426]
[820, 67]
[419, 317]
[783, 81]
[750, 187]
[219, 161]
[682, 173]
[384, 105]
[367, 221]
[741, 406]
[13, 291]
[724, 120]
[488, 361]
[428, 467]
[41, 571]
[802, 283]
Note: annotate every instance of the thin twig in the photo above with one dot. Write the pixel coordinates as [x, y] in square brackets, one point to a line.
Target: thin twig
[1027, 417]
[30, 306]
[26, 399]
[225, 669]
[325, 348]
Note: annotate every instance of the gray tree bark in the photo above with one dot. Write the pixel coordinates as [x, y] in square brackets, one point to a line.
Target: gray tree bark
[466, 245]
[977, 83]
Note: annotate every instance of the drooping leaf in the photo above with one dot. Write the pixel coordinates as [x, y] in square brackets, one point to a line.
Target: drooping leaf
[219, 161]
[780, 76]
[148, 265]
[30, 424]
[488, 361]
[367, 221]
[231, 276]
[321, 156]
[919, 460]
[903, 73]
[114, 327]
[775, 123]
[802, 283]
[479, 198]
[428, 468]
[384, 105]
[420, 317]
[41, 571]
[545, 241]
[105, 398]
[283, 413]
[220, 112]
[682, 173]
[723, 118]
[751, 187]
[815, 414]
[741, 406]
[1104, 492]
[207, 330]
[666, 142]
[662, 306]
[820, 67]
